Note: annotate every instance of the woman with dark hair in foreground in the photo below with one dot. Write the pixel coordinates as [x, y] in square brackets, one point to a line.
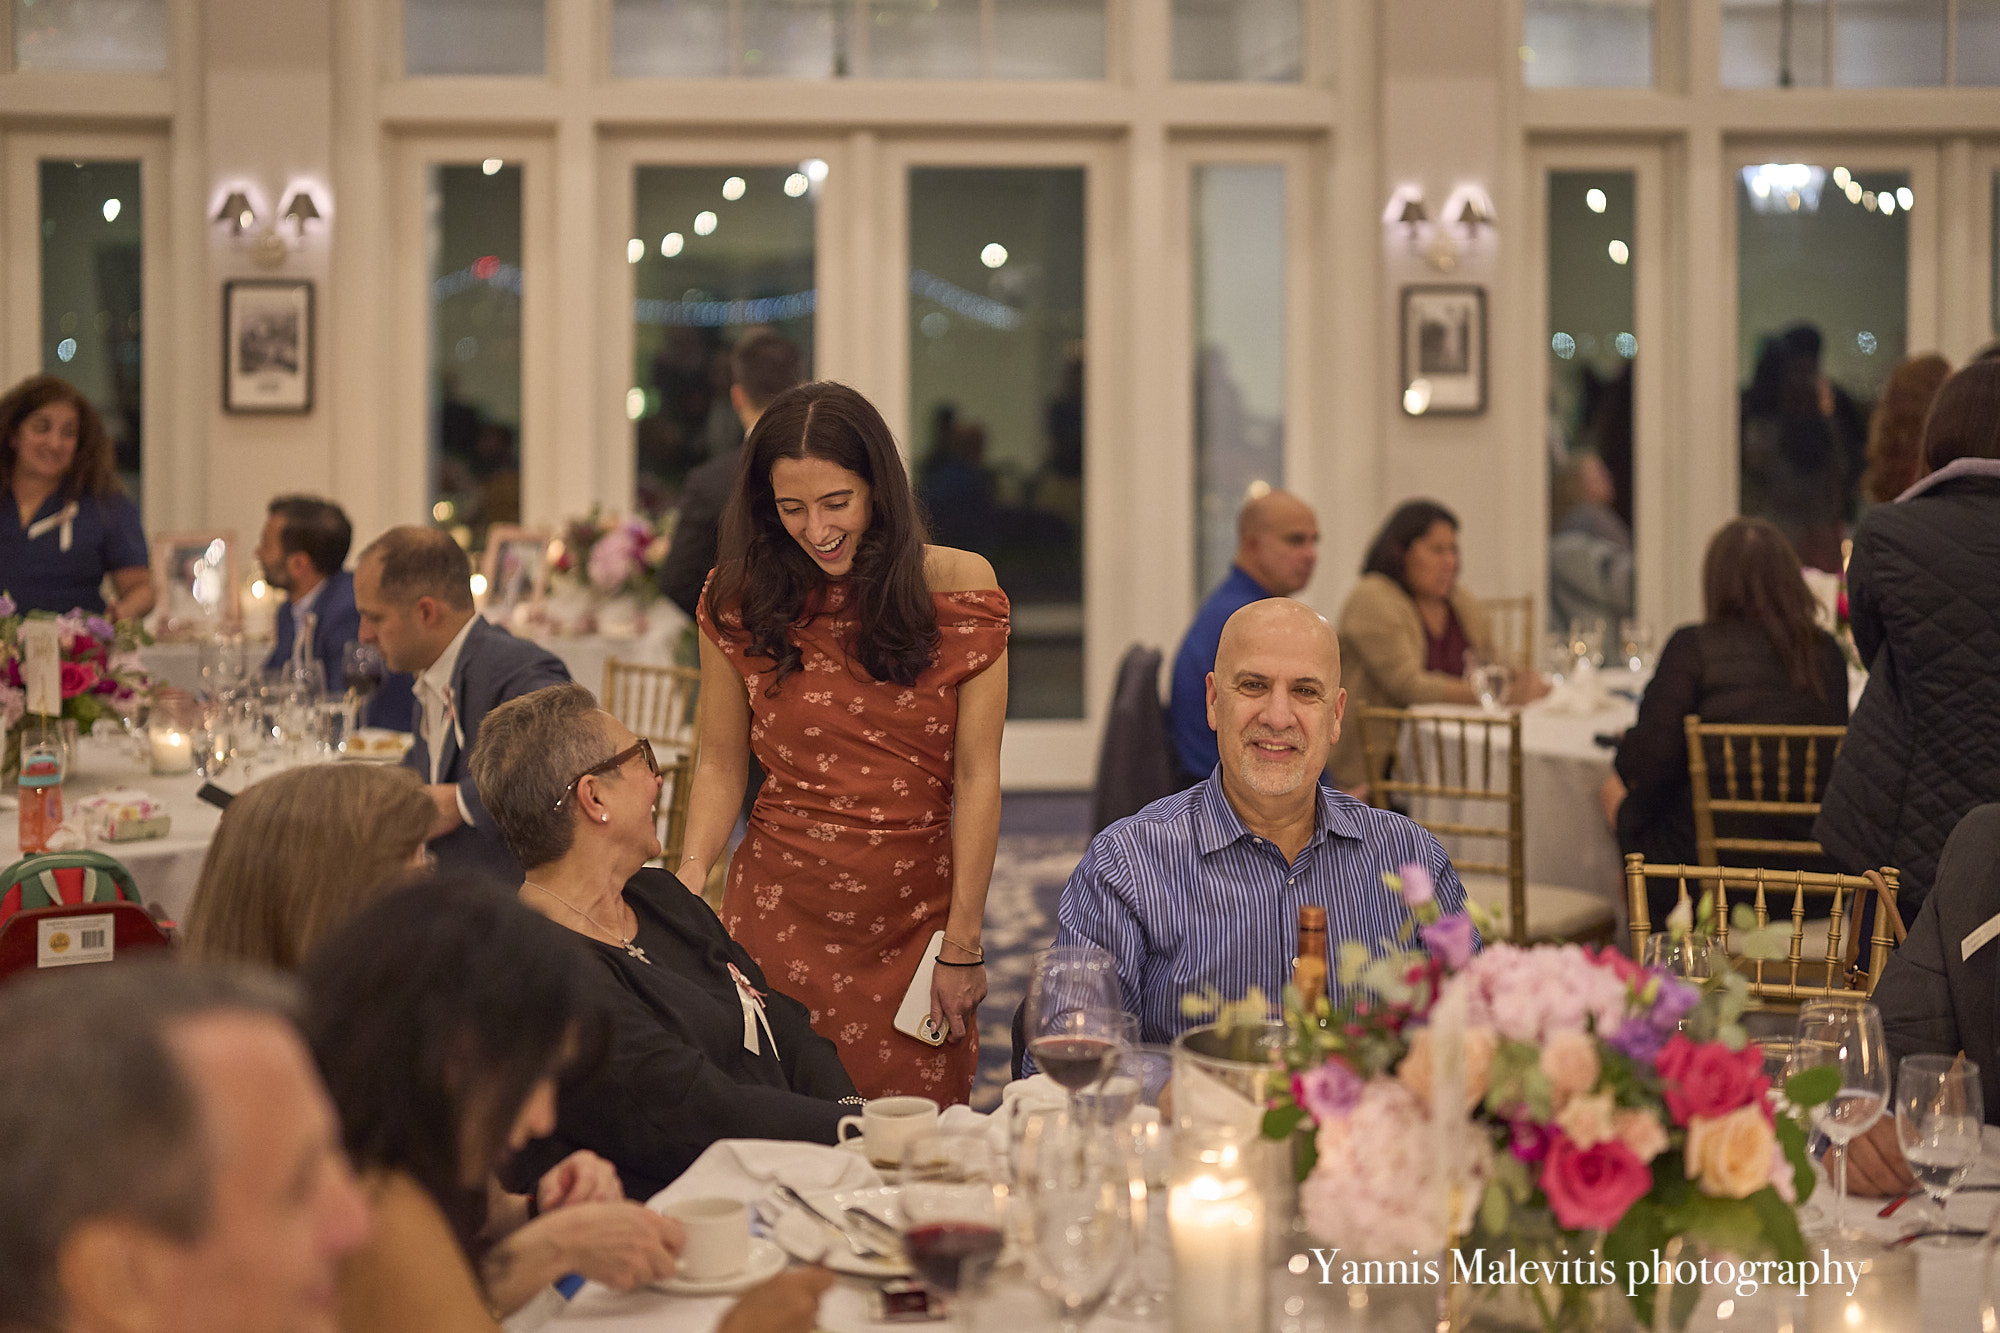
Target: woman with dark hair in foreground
[869, 673]
[1757, 656]
[441, 1019]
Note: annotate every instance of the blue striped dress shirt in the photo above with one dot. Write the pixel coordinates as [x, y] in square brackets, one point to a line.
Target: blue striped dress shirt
[1185, 897]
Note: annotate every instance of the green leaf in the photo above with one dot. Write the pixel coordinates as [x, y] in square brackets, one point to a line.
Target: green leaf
[1810, 1087]
[1281, 1122]
[1640, 1232]
[1772, 943]
[1493, 1209]
[1781, 1225]
[1792, 1138]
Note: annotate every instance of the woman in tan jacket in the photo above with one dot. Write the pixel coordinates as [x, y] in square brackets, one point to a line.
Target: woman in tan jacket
[1408, 628]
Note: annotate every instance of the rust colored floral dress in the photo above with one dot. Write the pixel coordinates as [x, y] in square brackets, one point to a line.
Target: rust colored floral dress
[845, 872]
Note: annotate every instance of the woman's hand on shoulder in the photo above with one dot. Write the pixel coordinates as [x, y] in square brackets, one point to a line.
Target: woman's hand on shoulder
[948, 569]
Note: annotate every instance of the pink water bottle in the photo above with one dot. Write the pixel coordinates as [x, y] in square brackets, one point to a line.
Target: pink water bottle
[40, 794]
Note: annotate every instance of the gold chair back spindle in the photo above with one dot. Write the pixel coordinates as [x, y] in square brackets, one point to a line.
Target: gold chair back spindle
[1741, 748]
[659, 703]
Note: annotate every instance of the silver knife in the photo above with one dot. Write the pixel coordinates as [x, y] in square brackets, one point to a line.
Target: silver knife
[861, 1250]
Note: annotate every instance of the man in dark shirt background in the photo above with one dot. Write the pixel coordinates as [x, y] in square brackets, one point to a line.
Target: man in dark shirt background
[763, 365]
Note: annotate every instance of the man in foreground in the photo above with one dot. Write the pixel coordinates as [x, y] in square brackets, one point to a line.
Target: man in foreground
[413, 587]
[171, 1161]
[1277, 547]
[1202, 889]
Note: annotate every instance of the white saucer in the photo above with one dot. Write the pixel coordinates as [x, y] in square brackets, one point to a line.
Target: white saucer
[767, 1260]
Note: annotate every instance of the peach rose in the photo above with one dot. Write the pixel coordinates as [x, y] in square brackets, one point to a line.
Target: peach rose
[1587, 1120]
[1641, 1131]
[1731, 1154]
[1477, 1062]
[1570, 1063]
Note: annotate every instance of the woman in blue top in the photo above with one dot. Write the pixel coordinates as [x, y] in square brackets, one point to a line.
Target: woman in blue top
[70, 523]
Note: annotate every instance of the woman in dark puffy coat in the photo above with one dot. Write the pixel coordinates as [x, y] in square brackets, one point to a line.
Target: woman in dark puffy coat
[1757, 656]
[1923, 593]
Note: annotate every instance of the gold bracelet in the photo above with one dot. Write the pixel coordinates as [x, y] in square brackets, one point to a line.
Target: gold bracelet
[979, 953]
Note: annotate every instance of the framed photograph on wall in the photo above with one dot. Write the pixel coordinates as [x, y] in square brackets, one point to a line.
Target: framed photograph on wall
[267, 346]
[1444, 350]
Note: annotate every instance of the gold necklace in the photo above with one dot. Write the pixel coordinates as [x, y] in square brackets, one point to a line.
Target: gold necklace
[625, 943]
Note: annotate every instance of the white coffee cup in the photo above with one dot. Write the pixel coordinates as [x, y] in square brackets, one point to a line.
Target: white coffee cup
[888, 1124]
[718, 1237]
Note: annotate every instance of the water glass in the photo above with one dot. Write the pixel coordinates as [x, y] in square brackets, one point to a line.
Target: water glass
[1489, 681]
[1076, 1194]
[1846, 1035]
[1940, 1108]
[1635, 645]
[1586, 639]
[1690, 957]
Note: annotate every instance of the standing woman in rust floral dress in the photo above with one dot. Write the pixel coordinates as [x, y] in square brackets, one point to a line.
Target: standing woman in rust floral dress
[868, 672]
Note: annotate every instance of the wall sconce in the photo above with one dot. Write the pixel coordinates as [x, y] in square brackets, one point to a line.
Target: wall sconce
[236, 213]
[299, 211]
[269, 244]
[1473, 212]
[1469, 206]
[1406, 210]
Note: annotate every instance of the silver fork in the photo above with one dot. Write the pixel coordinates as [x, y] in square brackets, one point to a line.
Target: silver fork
[861, 1249]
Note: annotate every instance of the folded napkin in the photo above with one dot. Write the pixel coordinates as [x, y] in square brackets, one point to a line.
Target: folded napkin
[1580, 694]
[747, 1169]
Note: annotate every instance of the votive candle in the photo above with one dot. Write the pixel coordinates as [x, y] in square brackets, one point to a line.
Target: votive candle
[1215, 1215]
[172, 752]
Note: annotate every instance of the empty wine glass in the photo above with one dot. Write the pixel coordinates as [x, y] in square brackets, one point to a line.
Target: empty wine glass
[1940, 1107]
[225, 661]
[1136, 1079]
[1075, 1196]
[1635, 645]
[1690, 957]
[1074, 1013]
[954, 1207]
[1586, 639]
[362, 667]
[1845, 1035]
[1489, 681]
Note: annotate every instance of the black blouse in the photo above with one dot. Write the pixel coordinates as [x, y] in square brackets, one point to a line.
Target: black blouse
[676, 1076]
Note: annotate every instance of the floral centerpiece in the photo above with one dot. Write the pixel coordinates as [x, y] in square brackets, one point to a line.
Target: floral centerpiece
[101, 675]
[1548, 1104]
[610, 566]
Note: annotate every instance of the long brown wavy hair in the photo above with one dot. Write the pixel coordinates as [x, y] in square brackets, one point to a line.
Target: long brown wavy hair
[1751, 573]
[94, 469]
[764, 584]
[1896, 431]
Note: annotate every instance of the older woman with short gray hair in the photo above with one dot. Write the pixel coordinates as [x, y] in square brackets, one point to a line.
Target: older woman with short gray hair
[702, 1047]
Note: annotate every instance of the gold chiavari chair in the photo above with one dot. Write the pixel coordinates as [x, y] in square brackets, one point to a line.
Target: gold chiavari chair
[1809, 971]
[1513, 621]
[1443, 763]
[658, 703]
[1744, 769]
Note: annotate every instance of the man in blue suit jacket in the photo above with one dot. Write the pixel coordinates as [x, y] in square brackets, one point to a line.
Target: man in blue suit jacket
[413, 588]
[302, 549]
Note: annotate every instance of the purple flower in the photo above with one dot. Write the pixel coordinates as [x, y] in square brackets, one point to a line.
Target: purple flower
[1328, 1092]
[1638, 1038]
[1642, 1036]
[1673, 1002]
[100, 628]
[1529, 1141]
[1449, 938]
[7, 607]
[1418, 888]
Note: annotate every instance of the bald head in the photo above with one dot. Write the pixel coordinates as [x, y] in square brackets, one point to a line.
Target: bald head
[1277, 542]
[1275, 700]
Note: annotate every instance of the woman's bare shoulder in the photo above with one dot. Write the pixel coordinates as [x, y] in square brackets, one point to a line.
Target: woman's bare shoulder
[947, 569]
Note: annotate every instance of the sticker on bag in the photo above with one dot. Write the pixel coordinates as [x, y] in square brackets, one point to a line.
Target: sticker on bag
[62, 941]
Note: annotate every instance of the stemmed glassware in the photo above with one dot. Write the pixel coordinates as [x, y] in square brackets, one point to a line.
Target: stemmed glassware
[1074, 1020]
[954, 1207]
[1490, 682]
[1076, 1192]
[1845, 1035]
[1129, 1100]
[362, 667]
[1940, 1108]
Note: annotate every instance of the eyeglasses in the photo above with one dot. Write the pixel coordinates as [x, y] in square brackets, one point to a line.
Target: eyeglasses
[642, 747]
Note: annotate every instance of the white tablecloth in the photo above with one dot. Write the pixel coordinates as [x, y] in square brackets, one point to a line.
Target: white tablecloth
[179, 663]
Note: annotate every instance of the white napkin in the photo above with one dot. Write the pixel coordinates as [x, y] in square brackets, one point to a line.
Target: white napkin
[1202, 1097]
[1580, 694]
[747, 1169]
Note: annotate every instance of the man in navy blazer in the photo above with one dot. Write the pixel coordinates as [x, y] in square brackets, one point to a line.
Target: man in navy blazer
[413, 588]
[302, 549]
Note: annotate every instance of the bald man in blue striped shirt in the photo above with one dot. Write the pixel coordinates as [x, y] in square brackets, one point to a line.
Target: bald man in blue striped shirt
[1203, 888]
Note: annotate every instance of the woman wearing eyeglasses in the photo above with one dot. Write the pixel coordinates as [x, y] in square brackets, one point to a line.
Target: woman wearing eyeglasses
[701, 1047]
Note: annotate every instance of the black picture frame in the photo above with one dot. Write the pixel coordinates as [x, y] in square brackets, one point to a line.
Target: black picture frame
[1444, 351]
[267, 346]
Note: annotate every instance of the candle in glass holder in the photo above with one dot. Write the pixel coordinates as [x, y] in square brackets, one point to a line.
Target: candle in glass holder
[1215, 1214]
[173, 750]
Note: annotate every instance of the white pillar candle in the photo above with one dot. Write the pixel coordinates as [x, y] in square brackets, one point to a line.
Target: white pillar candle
[172, 752]
[1216, 1217]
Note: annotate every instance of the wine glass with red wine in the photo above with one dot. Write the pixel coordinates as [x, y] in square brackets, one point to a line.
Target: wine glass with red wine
[954, 1197]
[1075, 1019]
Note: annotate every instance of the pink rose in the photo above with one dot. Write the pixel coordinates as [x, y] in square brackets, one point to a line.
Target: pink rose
[1641, 1131]
[77, 678]
[1571, 1065]
[1418, 887]
[1709, 1079]
[1589, 1189]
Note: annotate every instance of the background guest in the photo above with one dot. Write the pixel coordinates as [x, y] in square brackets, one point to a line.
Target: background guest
[297, 854]
[870, 672]
[171, 1160]
[1757, 656]
[442, 1018]
[1277, 548]
[302, 550]
[1804, 443]
[1896, 430]
[1590, 547]
[763, 365]
[574, 794]
[70, 524]
[1408, 627]
[1923, 596]
[413, 587]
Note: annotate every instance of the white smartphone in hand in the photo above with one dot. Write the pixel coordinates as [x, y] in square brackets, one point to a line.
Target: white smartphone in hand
[913, 1016]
